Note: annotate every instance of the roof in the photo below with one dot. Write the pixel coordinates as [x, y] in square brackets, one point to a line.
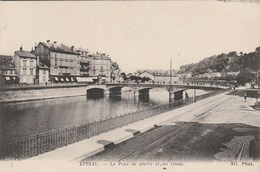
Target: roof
[101, 56]
[25, 54]
[146, 72]
[42, 66]
[6, 62]
[60, 48]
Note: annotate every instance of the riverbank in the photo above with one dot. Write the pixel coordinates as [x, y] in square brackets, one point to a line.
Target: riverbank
[11, 96]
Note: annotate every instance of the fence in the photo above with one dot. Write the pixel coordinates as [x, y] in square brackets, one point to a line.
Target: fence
[45, 142]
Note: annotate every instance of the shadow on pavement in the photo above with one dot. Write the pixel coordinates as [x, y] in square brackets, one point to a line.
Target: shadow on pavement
[188, 141]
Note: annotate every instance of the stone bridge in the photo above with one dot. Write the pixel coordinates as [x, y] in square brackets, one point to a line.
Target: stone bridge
[175, 91]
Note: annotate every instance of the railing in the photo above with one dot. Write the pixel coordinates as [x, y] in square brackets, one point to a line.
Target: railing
[45, 142]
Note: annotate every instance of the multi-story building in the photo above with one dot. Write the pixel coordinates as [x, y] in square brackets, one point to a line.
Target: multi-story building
[63, 61]
[25, 66]
[42, 74]
[84, 62]
[7, 71]
[100, 67]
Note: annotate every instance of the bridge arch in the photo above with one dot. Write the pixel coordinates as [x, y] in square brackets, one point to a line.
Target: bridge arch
[114, 90]
[95, 91]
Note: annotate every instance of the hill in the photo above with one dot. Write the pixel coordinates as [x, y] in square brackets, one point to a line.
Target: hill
[231, 62]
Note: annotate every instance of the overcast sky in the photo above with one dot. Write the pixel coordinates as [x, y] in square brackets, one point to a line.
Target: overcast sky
[137, 35]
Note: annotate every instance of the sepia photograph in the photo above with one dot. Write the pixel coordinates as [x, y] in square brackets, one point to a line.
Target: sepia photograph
[130, 85]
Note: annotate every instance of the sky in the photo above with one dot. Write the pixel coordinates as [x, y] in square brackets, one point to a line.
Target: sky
[137, 35]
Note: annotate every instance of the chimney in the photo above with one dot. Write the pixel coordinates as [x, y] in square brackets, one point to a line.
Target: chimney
[37, 60]
[48, 43]
[21, 48]
[72, 47]
[55, 44]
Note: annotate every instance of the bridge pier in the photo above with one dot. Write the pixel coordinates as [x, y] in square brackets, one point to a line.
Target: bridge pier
[136, 93]
[106, 92]
[175, 95]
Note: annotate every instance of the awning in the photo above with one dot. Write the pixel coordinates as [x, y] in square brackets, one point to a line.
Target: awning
[56, 78]
[81, 79]
[7, 78]
[67, 79]
[61, 79]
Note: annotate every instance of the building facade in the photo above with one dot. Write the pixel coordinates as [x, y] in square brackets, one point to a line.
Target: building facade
[25, 66]
[100, 67]
[160, 76]
[7, 71]
[42, 74]
[63, 61]
[84, 62]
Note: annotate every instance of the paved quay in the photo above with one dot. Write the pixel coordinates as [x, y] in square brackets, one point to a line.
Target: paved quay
[83, 149]
[226, 129]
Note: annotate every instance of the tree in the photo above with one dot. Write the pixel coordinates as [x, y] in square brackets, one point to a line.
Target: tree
[145, 79]
[123, 75]
[244, 77]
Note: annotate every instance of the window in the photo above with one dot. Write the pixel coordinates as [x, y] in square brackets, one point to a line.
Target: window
[44, 78]
[101, 68]
[24, 63]
[56, 60]
[31, 71]
[44, 72]
[31, 63]
[24, 71]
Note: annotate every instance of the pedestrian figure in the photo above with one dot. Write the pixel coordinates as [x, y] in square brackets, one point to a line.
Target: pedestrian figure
[245, 96]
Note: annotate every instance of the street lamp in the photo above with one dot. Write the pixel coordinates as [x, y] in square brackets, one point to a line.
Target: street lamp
[257, 81]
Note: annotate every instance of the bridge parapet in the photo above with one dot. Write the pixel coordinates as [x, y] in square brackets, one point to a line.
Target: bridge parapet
[180, 86]
[97, 86]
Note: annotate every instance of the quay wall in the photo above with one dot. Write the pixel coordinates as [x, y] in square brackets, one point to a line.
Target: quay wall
[37, 94]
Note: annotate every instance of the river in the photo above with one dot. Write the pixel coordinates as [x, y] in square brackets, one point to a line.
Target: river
[18, 120]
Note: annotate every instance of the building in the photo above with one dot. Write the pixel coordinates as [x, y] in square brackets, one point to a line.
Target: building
[84, 62]
[42, 74]
[147, 75]
[68, 64]
[25, 66]
[7, 71]
[233, 73]
[159, 76]
[100, 67]
[165, 79]
[63, 61]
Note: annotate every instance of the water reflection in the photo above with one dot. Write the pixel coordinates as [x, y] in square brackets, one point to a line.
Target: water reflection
[25, 118]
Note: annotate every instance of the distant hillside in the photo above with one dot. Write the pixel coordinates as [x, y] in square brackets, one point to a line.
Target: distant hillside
[230, 62]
